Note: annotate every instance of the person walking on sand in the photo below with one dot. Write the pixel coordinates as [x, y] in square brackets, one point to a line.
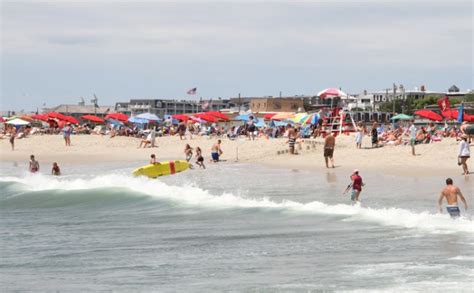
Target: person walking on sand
[464, 154]
[329, 144]
[55, 170]
[216, 151]
[67, 130]
[412, 129]
[200, 159]
[451, 193]
[34, 165]
[188, 152]
[359, 135]
[251, 128]
[375, 135]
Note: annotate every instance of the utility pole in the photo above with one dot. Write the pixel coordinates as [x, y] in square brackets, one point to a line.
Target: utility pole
[240, 103]
[393, 98]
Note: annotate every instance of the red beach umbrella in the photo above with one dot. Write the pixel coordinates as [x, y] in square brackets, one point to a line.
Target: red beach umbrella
[218, 115]
[331, 93]
[56, 115]
[428, 114]
[92, 118]
[468, 118]
[117, 116]
[181, 117]
[450, 114]
[40, 117]
[269, 116]
[70, 119]
[206, 117]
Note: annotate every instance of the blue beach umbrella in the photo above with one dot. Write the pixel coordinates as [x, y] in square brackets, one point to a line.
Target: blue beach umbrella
[137, 120]
[246, 117]
[115, 122]
[460, 113]
[149, 116]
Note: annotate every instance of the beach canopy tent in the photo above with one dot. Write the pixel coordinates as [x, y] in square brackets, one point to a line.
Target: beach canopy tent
[70, 119]
[149, 116]
[428, 114]
[260, 123]
[402, 117]
[218, 115]
[138, 120]
[331, 93]
[117, 116]
[92, 118]
[181, 117]
[17, 122]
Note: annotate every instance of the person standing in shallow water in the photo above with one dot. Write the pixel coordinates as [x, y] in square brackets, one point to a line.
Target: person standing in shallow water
[34, 165]
[451, 193]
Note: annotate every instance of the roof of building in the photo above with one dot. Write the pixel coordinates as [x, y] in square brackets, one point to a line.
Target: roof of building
[86, 109]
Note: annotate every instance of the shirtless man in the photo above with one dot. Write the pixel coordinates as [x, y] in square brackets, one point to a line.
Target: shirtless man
[291, 138]
[329, 143]
[451, 193]
[216, 151]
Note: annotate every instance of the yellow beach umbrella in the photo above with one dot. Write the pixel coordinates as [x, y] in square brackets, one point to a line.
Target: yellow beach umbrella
[297, 117]
[283, 116]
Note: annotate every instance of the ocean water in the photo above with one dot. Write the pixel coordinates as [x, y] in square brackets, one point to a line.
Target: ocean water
[231, 227]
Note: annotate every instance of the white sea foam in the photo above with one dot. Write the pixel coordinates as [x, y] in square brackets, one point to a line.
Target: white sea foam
[191, 195]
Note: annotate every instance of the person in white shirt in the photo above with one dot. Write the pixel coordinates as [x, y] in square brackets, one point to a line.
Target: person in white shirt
[412, 131]
[464, 153]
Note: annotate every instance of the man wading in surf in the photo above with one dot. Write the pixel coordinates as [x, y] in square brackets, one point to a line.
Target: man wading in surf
[451, 193]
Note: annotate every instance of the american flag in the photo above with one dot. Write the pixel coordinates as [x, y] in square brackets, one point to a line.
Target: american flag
[192, 91]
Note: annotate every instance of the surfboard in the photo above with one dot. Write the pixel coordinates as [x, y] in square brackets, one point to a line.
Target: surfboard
[161, 169]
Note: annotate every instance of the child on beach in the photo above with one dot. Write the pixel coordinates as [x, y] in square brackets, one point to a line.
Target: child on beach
[188, 151]
[200, 159]
[55, 170]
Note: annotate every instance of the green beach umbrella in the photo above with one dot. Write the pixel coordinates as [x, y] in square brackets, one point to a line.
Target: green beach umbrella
[402, 117]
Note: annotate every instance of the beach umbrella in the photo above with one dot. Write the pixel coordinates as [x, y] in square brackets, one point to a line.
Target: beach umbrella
[461, 112]
[196, 119]
[181, 117]
[2, 119]
[298, 117]
[117, 116]
[450, 114]
[40, 117]
[56, 115]
[206, 117]
[148, 116]
[27, 118]
[115, 122]
[17, 122]
[402, 117]
[218, 115]
[331, 93]
[283, 116]
[268, 116]
[70, 119]
[138, 120]
[311, 119]
[428, 114]
[468, 118]
[243, 117]
[92, 118]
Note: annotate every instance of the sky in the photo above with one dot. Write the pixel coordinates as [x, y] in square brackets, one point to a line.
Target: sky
[55, 52]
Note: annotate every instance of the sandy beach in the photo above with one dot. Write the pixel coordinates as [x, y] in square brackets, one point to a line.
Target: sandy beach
[438, 158]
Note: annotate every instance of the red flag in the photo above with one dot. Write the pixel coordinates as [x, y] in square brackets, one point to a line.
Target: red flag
[192, 91]
[443, 104]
